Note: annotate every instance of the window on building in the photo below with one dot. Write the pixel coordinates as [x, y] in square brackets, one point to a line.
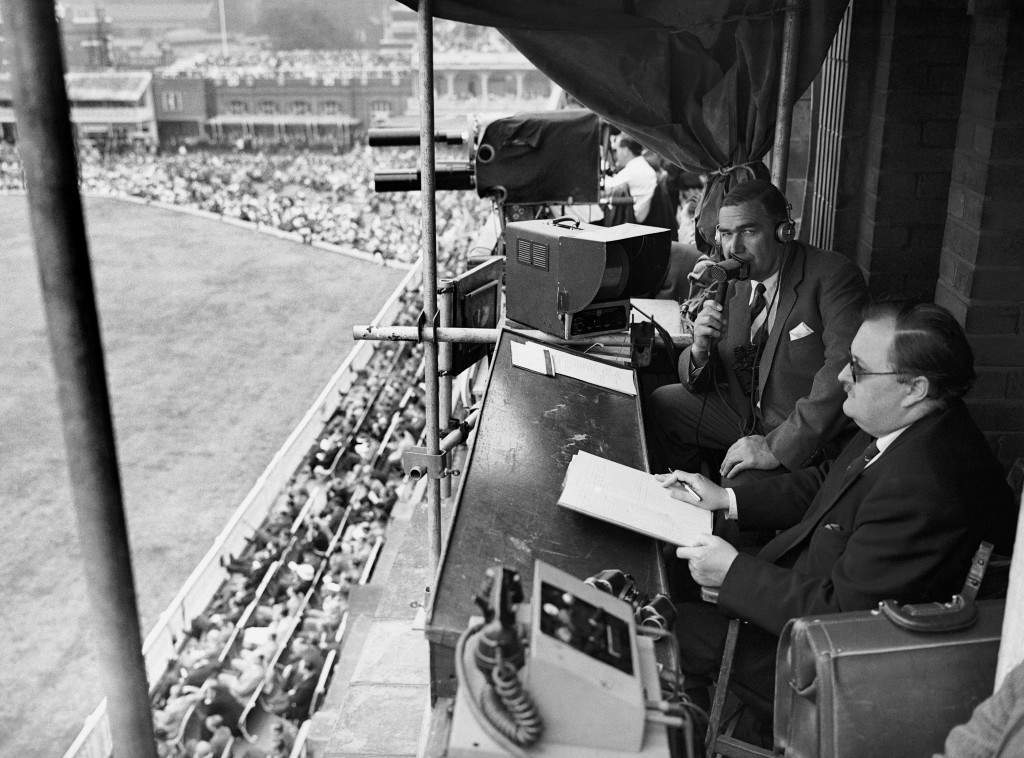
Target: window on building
[380, 108]
[268, 107]
[501, 85]
[172, 100]
[331, 108]
[238, 107]
[301, 107]
[536, 85]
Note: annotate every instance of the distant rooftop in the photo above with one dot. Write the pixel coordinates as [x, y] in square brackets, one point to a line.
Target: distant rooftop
[112, 86]
[133, 13]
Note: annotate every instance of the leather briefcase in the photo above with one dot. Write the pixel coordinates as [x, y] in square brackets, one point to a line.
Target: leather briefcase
[852, 685]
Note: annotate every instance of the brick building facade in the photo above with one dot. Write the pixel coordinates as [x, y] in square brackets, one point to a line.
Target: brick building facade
[928, 200]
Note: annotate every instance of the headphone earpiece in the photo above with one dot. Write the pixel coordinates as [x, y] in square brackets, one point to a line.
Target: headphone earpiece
[785, 231]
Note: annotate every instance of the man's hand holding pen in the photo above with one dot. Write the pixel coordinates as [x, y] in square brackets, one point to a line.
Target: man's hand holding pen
[709, 557]
[695, 489]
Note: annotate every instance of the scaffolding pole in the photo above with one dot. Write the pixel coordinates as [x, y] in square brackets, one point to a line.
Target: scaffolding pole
[428, 239]
[47, 152]
[424, 333]
[787, 83]
[444, 362]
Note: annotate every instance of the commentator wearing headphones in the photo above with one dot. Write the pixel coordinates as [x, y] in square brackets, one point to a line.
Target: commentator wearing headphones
[759, 380]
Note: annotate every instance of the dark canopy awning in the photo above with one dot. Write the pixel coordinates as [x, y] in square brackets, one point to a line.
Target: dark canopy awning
[694, 80]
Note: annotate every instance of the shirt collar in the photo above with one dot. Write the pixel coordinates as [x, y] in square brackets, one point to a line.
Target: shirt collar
[885, 440]
[770, 283]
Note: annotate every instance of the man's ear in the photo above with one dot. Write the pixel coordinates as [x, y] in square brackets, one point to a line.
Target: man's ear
[917, 388]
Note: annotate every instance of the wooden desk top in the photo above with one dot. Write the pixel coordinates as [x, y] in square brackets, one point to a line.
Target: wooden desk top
[506, 509]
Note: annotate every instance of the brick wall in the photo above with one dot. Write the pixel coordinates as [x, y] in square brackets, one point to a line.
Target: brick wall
[913, 107]
[982, 263]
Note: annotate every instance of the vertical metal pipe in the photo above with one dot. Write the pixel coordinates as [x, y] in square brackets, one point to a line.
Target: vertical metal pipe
[444, 360]
[47, 152]
[223, 29]
[428, 240]
[787, 83]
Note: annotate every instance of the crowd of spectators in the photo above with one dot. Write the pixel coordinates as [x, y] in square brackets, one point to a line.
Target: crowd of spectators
[327, 66]
[319, 196]
[253, 660]
[454, 37]
[309, 65]
[11, 177]
[249, 670]
[256, 657]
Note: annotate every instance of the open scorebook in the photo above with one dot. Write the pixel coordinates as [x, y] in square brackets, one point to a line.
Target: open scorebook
[630, 498]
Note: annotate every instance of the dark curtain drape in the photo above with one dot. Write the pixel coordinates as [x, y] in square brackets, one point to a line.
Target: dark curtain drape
[694, 80]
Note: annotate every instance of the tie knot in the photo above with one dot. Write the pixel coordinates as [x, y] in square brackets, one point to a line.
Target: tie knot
[857, 465]
[758, 303]
[758, 325]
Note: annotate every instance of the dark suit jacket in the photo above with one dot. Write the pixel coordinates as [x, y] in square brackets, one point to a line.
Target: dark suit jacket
[300, 697]
[906, 528]
[801, 401]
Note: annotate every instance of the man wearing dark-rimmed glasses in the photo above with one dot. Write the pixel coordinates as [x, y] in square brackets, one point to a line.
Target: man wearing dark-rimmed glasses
[898, 515]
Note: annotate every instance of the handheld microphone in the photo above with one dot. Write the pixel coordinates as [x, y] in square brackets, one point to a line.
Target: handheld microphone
[718, 274]
[725, 271]
[707, 271]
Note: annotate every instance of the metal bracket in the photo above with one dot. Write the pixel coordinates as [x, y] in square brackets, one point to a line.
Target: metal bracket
[417, 462]
[561, 299]
[422, 324]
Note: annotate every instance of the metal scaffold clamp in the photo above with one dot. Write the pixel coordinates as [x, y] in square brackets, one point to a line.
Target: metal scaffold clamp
[427, 331]
[418, 462]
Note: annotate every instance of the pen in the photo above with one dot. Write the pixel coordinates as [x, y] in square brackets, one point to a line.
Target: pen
[688, 488]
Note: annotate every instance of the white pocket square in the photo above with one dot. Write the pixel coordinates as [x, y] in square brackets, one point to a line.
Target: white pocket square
[800, 331]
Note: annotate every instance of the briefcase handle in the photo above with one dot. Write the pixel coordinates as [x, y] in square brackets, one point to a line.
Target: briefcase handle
[959, 613]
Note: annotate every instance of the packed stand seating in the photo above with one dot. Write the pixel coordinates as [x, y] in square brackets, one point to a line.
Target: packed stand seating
[331, 65]
[253, 664]
[455, 37]
[307, 65]
[319, 196]
[11, 175]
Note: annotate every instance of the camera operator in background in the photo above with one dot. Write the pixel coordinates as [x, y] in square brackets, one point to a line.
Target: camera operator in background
[634, 173]
[759, 381]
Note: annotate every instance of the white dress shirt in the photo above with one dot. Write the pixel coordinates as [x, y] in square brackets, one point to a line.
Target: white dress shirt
[642, 181]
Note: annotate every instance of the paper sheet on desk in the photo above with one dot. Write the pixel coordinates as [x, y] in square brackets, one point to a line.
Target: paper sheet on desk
[630, 498]
[531, 356]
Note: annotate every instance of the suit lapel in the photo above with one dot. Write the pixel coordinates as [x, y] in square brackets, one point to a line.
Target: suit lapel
[789, 280]
[834, 486]
[838, 483]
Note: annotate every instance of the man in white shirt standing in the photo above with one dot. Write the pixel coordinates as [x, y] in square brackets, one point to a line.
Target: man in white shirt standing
[636, 173]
